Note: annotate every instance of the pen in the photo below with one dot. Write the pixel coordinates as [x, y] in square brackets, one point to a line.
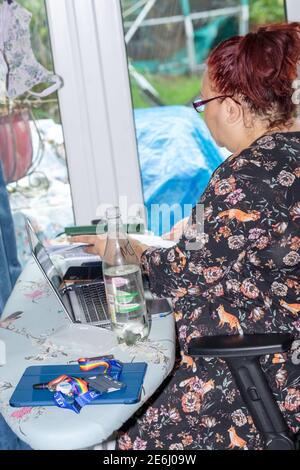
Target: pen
[64, 384]
[52, 385]
[41, 386]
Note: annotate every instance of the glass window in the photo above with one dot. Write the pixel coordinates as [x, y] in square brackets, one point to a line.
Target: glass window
[266, 12]
[167, 44]
[32, 149]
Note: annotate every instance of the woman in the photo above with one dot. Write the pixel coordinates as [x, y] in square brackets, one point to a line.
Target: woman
[244, 275]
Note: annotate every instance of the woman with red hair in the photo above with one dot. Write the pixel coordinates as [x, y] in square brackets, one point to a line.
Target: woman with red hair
[240, 272]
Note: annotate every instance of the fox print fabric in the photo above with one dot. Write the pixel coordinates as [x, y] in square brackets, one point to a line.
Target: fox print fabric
[237, 272]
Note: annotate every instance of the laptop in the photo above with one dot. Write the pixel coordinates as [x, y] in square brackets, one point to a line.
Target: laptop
[80, 292]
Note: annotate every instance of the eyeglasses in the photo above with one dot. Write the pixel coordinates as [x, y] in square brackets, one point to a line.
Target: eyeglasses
[199, 105]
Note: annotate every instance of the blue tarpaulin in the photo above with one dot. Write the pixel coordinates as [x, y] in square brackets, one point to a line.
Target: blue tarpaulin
[177, 157]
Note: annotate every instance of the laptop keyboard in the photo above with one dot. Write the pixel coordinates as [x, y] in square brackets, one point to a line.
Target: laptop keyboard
[92, 299]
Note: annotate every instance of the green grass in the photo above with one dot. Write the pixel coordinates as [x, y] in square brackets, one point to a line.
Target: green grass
[180, 90]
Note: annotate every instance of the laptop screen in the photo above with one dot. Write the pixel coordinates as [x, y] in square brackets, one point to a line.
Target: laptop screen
[42, 258]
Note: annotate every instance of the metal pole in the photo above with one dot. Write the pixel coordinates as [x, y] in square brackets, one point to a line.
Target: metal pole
[230, 11]
[140, 18]
[142, 82]
[189, 32]
[133, 8]
[244, 18]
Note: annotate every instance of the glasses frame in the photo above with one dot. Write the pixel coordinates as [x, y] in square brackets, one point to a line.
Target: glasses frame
[201, 103]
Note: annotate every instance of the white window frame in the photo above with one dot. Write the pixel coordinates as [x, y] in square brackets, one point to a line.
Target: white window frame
[292, 10]
[96, 108]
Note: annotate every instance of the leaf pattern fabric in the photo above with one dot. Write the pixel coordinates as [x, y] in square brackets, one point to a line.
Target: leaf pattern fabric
[242, 277]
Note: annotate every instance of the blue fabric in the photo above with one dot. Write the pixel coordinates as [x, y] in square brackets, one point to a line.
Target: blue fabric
[9, 272]
[177, 157]
[9, 265]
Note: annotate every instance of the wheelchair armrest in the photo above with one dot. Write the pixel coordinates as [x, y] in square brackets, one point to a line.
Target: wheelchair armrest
[241, 354]
[241, 345]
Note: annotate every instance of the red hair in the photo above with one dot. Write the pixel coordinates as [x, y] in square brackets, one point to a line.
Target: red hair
[260, 67]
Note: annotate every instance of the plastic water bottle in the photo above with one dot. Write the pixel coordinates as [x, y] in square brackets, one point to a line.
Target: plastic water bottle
[123, 284]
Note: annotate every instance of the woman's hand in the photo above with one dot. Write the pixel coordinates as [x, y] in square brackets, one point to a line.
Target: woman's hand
[98, 243]
[177, 230]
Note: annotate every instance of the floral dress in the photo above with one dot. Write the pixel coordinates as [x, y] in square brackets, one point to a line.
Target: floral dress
[239, 273]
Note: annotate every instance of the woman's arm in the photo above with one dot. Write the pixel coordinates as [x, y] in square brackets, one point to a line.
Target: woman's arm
[208, 248]
[98, 243]
[238, 217]
[177, 230]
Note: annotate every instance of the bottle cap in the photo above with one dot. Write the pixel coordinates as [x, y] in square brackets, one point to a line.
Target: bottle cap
[113, 212]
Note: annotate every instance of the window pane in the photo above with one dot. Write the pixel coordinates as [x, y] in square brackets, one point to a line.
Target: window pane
[32, 149]
[266, 12]
[167, 43]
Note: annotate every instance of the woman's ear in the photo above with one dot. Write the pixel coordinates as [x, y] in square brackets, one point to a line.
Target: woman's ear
[234, 112]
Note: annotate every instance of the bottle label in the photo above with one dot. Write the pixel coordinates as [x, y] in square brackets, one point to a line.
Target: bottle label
[111, 306]
[125, 294]
[125, 297]
[127, 308]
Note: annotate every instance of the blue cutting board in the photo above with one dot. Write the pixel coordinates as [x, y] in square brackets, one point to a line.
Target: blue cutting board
[24, 395]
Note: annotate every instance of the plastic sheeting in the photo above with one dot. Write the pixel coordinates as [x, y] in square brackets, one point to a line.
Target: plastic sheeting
[177, 157]
[47, 201]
